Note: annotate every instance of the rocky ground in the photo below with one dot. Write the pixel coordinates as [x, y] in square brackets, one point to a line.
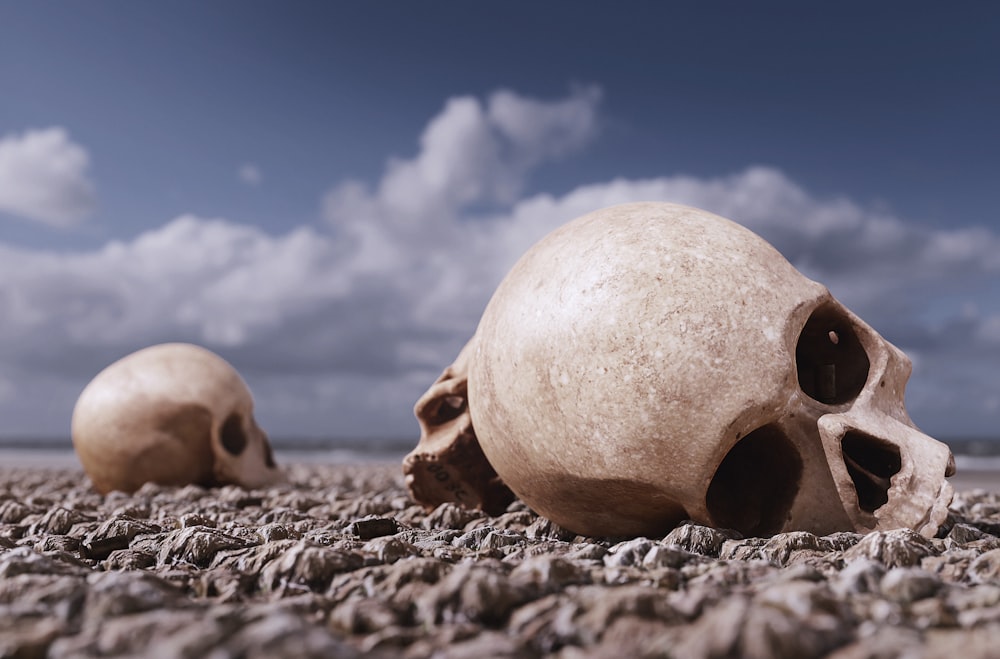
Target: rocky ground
[341, 563]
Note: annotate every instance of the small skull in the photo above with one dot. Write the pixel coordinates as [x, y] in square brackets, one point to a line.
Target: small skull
[650, 363]
[173, 414]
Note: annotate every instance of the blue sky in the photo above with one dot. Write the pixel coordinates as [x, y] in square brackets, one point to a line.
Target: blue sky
[327, 193]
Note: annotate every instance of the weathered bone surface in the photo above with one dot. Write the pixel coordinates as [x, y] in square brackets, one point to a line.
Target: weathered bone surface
[173, 414]
[650, 363]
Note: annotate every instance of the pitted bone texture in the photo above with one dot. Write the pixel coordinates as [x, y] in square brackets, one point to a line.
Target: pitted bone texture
[340, 562]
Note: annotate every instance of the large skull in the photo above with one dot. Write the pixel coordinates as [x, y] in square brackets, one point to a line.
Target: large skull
[650, 363]
[172, 414]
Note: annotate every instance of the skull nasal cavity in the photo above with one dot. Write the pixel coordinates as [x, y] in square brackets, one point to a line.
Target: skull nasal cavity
[755, 485]
[831, 363]
[234, 440]
[871, 463]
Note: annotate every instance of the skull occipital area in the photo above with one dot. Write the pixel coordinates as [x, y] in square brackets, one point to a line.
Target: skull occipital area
[173, 414]
[650, 363]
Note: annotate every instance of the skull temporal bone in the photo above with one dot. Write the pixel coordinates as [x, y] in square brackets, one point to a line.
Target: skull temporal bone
[650, 363]
[172, 414]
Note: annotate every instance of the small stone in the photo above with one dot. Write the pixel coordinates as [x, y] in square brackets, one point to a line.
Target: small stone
[197, 545]
[907, 585]
[516, 520]
[450, 516]
[986, 568]
[747, 549]
[373, 527]
[841, 540]
[61, 544]
[933, 612]
[543, 528]
[113, 594]
[979, 596]
[22, 560]
[114, 534]
[12, 512]
[550, 572]
[251, 560]
[486, 538]
[794, 619]
[195, 519]
[587, 551]
[953, 564]
[860, 575]
[308, 566]
[716, 633]
[57, 521]
[797, 572]
[896, 548]
[668, 556]
[627, 553]
[389, 549]
[129, 559]
[779, 548]
[471, 594]
[363, 616]
[273, 532]
[698, 539]
[964, 533]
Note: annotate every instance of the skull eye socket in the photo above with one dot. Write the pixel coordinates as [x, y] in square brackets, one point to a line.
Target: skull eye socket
[830, 361]
[449, 408]
[755, 485]
[871, 463]
[232, 437]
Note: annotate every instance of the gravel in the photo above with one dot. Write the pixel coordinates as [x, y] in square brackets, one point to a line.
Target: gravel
[340, 562]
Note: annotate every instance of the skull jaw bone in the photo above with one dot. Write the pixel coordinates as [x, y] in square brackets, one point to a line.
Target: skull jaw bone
[448, 465]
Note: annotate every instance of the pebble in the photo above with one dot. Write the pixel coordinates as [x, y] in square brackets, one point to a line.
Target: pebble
[896, 548]
[907, 585]
[698, 539]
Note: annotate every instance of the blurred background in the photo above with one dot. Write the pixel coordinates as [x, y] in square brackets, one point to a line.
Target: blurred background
[326, 194]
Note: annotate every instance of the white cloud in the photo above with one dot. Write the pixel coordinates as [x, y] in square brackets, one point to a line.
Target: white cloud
[250, 174]
[471, 153]
[340, 327]
[44, 177]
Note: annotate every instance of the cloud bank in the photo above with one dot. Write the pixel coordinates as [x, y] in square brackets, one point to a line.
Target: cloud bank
[340, 326]
[44, 177]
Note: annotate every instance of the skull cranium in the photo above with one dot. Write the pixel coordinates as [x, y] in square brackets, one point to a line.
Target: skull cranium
[649, 363]
[172, 414]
